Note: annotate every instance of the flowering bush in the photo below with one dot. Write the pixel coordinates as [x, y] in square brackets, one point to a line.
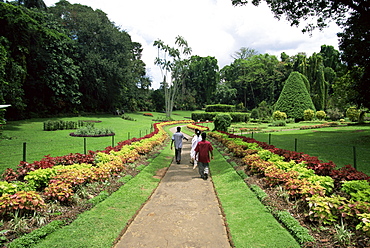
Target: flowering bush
[148, 114]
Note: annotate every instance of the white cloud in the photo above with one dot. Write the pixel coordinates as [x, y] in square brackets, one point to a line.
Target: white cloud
[211, 27]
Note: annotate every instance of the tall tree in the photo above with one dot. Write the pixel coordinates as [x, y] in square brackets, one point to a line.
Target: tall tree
[39, 63]
[110, 62]
[244, 53]
[257, 79]
[351, 15]
[201, 78]
[39, 4]
[172, 64]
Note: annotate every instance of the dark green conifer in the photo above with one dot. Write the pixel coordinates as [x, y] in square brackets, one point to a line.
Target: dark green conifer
[294, 99]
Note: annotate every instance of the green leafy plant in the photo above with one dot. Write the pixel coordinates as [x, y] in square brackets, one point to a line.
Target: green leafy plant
[279, 116]
[40, 178]
[7, 188]
[320, 115]
[222, 121]
[325, 209]
[21, 201]
[353, 114]
[92, 131]
[343, 234]
[308, 115]
[300, 233]
[364, 225]
[358, 189]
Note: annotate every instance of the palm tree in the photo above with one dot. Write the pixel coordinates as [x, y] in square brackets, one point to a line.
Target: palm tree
[39, 4]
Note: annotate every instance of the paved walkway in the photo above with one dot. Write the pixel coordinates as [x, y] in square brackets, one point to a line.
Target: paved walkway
[183, 212]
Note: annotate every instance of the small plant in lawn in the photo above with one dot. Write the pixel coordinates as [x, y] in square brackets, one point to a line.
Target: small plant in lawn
[127, 117]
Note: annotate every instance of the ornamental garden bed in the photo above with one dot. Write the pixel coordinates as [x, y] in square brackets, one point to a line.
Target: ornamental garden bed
[329, 201]
[59, 188]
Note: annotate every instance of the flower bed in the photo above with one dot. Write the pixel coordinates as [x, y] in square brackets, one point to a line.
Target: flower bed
[56, 178]
[197, 126]
[330, 195]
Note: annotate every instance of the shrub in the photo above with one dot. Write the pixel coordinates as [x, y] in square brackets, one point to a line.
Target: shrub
[308, 115]
[353, 114]
[300, 233]
[220, 108]
[278, 115]
[239, 117]
[321, 115]
[294, 99]
[358, 189]
[325, 209]
[92, 131]
[222, 122]
[279, 123]
[30, 239]
[254, 113]
[126, 117]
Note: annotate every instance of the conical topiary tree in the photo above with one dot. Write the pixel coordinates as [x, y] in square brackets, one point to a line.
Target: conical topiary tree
[294, 99]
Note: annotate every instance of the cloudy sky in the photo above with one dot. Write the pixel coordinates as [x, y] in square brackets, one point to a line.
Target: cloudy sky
[211, 28]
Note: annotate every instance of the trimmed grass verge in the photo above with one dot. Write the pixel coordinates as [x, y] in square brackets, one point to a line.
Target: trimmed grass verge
[250, 223]
[100, 226]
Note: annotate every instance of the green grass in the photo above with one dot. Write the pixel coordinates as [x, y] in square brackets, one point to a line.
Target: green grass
[58, 143]
[250, 224]
[331, 143]
[100, 226]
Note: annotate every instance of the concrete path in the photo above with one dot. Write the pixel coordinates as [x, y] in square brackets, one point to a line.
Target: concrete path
[183, 212]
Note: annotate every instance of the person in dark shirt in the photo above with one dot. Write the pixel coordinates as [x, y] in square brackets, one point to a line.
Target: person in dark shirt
[204, 154]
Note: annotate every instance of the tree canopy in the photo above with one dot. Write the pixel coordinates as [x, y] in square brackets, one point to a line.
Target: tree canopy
[351, 15]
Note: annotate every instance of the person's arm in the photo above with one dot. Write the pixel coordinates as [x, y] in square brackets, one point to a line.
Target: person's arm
[171, 144]
[211, 152]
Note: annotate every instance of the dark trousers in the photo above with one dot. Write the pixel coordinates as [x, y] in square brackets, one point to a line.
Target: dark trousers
[203, 168]
[178, 154]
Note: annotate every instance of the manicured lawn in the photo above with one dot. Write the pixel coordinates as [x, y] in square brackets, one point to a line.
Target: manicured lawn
[58, 143]
[334, 143]
[329, 143]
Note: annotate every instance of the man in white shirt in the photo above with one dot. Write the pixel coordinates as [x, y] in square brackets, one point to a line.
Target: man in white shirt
[177, 139]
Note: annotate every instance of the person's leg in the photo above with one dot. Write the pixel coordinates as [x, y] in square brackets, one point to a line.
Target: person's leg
[179, 155]
[206, 170]
[176, 154]
[195, 164]
[201, 169]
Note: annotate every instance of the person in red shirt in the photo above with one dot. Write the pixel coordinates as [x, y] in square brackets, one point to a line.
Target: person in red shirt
[204, 153]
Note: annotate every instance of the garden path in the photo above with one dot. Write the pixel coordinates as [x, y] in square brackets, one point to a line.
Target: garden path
[182, 212]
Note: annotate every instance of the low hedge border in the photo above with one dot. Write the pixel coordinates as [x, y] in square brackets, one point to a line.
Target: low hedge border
[30, 239]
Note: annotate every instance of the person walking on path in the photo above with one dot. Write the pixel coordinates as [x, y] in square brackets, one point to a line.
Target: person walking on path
[194, 143]
[204, 153]
[177, 140]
